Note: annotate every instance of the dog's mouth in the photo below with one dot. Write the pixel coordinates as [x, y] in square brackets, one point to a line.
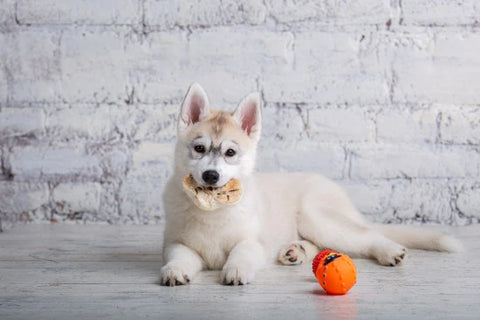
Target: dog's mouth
[208, 187]
[203, 188]
[221, 183]
[209, 197]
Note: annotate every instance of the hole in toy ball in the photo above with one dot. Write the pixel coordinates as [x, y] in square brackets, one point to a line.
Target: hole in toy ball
[331, 258]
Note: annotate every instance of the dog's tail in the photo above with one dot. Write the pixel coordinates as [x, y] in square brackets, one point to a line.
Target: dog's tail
[420, 238]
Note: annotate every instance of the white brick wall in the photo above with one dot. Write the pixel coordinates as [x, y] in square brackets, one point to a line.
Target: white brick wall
[410, 161]
[77, 197]
[440, 12]
[89, 12]
[382, 96]
[20, 122]
[367, 12]
[169, 14]
[42, 162]
[406, 125]
[437, 67]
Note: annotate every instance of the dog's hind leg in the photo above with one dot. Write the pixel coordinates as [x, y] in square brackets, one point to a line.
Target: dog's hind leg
[333, 230]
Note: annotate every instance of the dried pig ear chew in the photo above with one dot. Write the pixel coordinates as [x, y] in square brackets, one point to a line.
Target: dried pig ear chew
[211, 198]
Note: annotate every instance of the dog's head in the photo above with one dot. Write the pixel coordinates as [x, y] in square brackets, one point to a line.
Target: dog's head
[215, 146]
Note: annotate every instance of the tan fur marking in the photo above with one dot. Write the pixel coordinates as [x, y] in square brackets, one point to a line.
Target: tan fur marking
[220, 126]
[218, 121]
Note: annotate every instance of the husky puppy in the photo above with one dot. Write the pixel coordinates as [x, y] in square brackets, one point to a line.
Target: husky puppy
[281, 217]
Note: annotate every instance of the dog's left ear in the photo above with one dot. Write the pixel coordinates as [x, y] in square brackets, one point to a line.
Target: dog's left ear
[249, 115]
[195, 107]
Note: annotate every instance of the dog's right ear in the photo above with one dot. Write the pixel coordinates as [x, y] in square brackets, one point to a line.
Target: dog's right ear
[249, 115]
[195, 107]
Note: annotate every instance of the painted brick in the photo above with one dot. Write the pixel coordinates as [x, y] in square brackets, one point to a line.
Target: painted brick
[151, 122]
[167, 63]
[94, 66]
[64, 163]
[406, 125]
[82, 122]
[6, 13]
[151, 158]
[77, 197]
[468, 202]
[340, 124]
[2, 170]
[3, 68]
[141, 199]
[400, 161]
[348, 12]
[257, 50]
[78, 12]
[98, 205]
[381, 95]
[408, 202]
[329, 67]
[441, 69]
[440, 12]
[109, 208]
[141, 192]
[197, 13]
[114, 158]
[107, 122]
[16, 198]
[18, 122]
[283, 124]
[32, 62]
[372, 198]
[400, 200]
[157, 64]
[3, 79]
[460, 125]
[303, 156]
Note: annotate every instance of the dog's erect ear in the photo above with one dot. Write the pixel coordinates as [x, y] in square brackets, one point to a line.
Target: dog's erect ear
[195, 107]
[249, 115]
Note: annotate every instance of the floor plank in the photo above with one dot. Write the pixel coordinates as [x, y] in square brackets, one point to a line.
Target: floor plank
[99, 271]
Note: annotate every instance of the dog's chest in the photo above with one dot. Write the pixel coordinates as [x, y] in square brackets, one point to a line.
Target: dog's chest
[214, 241]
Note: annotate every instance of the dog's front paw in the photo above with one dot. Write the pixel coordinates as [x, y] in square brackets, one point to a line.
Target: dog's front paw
[392, 256]
[172, 275]
[235, 276]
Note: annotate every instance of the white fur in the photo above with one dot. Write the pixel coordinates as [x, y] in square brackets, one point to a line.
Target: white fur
[281, 217]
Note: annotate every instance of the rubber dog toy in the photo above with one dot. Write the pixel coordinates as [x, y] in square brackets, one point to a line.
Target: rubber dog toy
[335, 272]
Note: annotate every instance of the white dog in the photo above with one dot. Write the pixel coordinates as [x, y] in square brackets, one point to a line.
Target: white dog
[284, 217]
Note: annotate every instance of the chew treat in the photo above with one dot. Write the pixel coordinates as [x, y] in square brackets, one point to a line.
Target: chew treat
[211, 198]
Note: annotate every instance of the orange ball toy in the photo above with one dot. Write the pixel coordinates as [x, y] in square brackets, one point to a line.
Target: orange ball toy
[335, 272]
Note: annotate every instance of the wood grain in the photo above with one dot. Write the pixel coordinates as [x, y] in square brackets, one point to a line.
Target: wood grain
[99, 271]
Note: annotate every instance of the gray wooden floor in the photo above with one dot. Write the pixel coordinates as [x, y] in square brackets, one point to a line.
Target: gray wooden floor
[103, 272]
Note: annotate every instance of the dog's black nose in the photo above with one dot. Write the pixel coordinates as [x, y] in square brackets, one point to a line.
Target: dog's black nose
[210, 176]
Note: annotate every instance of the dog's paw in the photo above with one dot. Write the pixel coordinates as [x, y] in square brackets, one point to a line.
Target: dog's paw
[172, 275]
[392, 256]
[235, 276]
[292, 254]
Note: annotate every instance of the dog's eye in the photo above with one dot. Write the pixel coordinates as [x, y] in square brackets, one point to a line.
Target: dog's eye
[199, 148]
[230, 153]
